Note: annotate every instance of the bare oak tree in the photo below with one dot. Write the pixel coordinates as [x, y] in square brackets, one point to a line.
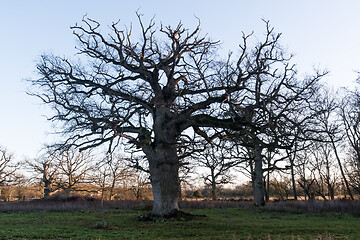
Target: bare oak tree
[274, 105]
[46, 169]
[148, 91]
[151, 90]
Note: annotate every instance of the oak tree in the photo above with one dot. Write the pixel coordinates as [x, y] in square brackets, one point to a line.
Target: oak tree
[45, 169]
[152, 90]
[275, 105]
[147, 91]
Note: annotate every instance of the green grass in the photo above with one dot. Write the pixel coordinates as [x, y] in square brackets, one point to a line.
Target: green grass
[219, 224]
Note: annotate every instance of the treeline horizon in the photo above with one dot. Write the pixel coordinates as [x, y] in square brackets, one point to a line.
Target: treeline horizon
[77, 174]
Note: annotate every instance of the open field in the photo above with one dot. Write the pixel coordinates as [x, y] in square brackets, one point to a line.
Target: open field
[219, 223]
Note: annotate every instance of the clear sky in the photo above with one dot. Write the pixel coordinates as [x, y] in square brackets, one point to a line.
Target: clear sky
[321, 33]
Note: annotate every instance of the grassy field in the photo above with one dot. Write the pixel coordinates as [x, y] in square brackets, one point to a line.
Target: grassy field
[229, 223]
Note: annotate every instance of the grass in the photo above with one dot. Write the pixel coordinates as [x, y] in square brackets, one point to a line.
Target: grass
[227, 223]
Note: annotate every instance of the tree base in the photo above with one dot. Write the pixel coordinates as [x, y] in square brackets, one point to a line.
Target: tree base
[175, 215]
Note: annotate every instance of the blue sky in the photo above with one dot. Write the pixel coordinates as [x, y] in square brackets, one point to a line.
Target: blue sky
[321, 33]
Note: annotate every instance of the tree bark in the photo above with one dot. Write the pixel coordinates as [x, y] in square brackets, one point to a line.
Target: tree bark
[164, 177]
[257, 178]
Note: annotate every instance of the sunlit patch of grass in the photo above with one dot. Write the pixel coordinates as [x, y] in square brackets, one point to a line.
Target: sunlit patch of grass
[230, 223]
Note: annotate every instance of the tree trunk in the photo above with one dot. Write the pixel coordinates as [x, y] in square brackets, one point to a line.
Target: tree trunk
[341, 169]
[257, 178]
[266, 188]
[267, 183]
[164, 177]
[293, 182]
[331, 192]
[213, 185]
[47, 189]
[47, 183]
[112, 188]
[328, 181]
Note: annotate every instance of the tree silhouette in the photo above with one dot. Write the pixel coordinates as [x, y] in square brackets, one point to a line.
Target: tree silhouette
[149, 91]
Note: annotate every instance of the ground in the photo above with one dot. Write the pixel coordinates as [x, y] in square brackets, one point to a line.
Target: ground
[227, 223]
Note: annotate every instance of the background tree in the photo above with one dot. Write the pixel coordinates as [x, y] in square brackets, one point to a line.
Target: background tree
[7, 167]
[45, 168]
[138, 183]
[74, 167]
[329, 107]
[109, 173]
[322, 166]
[274, 105]
[349, 112]
[217, 162]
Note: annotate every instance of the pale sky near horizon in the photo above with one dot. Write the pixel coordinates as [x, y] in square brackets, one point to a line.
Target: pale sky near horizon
[321, 33]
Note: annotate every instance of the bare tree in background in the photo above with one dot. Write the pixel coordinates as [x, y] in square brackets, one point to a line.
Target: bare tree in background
[74, 167]
[108, 174]
[322, 165]
[274, 105]
[7, 167]
[217, 161]
[138, 183]
[45, 168]
[329, 105]
[350, 118]
[305, 178]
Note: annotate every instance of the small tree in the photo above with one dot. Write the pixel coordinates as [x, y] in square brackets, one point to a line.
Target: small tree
[323, 169]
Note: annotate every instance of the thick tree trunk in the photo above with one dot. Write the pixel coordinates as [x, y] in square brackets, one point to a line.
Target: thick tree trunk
[164, 167]
[257, 178]
[165, 187]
